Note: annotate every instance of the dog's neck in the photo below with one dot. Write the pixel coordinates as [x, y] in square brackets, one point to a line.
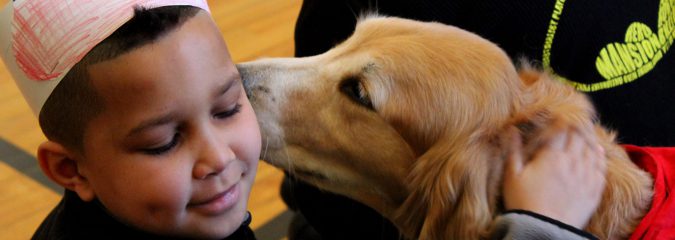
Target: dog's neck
[547, 103]
[628, 191]
[455, 186]
[625, 200]
[447, 179]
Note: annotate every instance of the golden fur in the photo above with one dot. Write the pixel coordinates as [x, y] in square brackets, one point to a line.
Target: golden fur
[410, 119]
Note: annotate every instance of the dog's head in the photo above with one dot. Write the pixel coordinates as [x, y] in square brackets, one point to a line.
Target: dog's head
[401, 116]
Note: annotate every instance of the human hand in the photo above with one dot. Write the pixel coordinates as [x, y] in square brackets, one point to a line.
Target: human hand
[563, 180]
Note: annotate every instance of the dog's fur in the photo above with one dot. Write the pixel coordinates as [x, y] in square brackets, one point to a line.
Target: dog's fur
[410, 119]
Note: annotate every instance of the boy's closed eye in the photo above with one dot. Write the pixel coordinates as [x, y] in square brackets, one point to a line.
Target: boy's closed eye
[161, 134]
[231, 111]
[166, 144]
[165, 147]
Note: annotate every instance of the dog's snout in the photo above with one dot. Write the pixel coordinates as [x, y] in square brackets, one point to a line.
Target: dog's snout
[253, 78]
[268, 80]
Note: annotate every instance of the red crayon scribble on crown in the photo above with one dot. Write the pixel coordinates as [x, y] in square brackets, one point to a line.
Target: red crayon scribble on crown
[52, 36]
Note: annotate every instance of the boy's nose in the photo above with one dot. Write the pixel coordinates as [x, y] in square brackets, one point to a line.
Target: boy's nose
[213, 159]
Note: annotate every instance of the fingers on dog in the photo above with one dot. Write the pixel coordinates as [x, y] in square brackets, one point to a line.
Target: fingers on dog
[553, 141]
[593, 152]
[579, 146]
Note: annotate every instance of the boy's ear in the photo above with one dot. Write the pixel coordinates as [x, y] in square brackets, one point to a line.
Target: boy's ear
[59, 164]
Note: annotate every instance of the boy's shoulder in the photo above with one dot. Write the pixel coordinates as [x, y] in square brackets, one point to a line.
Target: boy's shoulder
[73, 218]
[53, 225]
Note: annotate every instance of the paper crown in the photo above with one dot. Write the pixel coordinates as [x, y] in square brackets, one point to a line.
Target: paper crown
[41, 40]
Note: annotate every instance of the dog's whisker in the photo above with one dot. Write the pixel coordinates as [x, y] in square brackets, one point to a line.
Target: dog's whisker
[351, 8]
[289, 166]
[267, 144]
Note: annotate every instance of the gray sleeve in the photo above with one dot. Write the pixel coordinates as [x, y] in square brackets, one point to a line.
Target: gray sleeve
[515, 225]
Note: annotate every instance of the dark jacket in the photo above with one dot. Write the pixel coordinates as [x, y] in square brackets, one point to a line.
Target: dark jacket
[74, 219]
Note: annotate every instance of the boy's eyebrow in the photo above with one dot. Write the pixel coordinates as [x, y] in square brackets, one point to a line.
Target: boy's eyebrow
[152, 123]
[230, 81]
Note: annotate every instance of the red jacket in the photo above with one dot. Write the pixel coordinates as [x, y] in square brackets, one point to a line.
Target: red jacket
[659, 222]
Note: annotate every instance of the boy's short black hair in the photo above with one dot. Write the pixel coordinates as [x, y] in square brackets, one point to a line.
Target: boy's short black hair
[75, 102]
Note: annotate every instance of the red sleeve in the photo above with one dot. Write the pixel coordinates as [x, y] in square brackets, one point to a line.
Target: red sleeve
[659, 222]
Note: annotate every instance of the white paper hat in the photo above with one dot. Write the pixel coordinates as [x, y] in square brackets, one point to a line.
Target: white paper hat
[41, 40]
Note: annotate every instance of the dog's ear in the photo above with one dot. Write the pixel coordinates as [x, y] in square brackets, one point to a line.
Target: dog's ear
[548, 103]
[455, 189]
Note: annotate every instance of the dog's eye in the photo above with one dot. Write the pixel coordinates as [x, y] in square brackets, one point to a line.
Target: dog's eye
[353, 88]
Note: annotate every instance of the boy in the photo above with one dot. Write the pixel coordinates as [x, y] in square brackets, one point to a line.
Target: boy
[150, 133]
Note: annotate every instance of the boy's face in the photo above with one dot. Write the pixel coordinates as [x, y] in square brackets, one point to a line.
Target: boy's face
[176, 149]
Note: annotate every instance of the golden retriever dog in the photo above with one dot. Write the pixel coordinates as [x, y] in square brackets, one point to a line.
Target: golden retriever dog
[410, 118]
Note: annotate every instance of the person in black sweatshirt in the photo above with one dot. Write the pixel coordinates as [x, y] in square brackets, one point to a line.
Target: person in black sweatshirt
[617, 52]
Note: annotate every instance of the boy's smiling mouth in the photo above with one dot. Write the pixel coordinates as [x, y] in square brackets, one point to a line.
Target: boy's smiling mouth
[218, 203]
